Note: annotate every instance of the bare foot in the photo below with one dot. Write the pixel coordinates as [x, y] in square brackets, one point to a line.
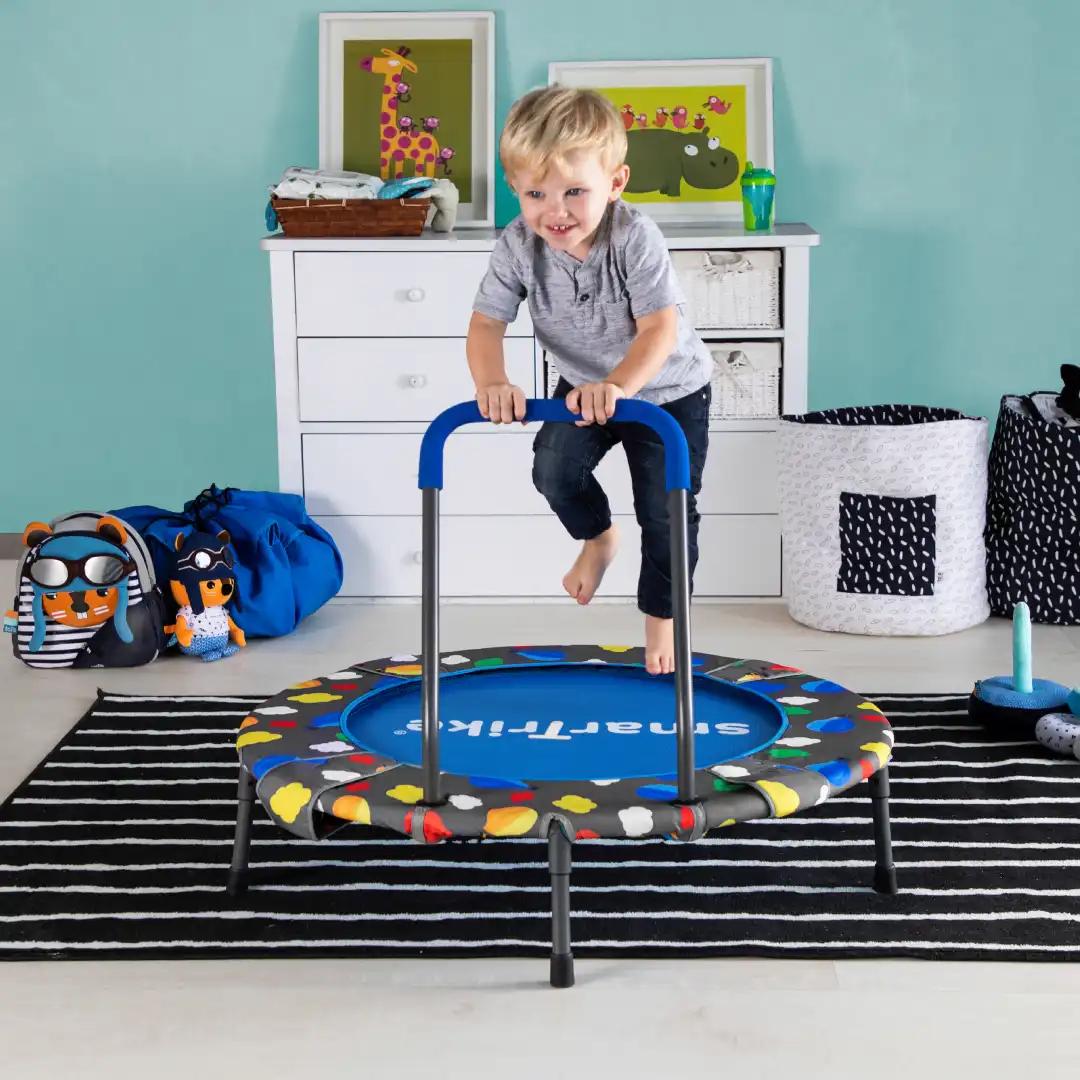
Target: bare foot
[588, 570]
[659, 645]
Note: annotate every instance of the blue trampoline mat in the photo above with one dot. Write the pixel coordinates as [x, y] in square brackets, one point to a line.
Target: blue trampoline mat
[563, 722]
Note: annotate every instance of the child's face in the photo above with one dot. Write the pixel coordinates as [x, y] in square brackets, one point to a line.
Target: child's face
[564, 206]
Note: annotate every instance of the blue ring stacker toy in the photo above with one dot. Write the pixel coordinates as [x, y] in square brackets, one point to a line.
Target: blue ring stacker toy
[1019, 702]
[561, 743]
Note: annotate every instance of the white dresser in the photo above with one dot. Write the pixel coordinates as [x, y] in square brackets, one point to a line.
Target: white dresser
[369, 346]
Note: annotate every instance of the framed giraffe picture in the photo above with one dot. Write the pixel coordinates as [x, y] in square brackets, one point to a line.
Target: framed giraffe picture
[412, 94]
[691, 128]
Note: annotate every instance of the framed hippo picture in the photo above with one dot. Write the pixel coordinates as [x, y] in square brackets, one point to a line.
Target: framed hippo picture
[411, 94]
[691, 127]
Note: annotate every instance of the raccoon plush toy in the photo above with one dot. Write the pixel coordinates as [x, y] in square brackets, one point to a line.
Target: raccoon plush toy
[202, 584]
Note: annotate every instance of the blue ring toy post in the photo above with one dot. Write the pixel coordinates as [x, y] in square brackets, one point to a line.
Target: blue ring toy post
[677, 476]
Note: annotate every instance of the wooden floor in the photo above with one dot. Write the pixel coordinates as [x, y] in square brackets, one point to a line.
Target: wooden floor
[471, 1020]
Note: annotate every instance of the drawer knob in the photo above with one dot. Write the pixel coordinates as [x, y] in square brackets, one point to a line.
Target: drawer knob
[415, 295]
[417, 381]
[418, 557]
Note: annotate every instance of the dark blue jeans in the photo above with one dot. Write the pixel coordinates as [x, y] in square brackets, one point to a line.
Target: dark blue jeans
[565, 455]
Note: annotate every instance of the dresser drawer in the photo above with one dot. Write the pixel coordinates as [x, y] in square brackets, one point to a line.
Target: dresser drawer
[390, 294]
[517, 556]
[407, 379]
[741, 474]
[484, 473]
[490, 473]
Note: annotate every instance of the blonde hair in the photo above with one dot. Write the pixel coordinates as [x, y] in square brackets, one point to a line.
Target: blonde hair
[547, 124]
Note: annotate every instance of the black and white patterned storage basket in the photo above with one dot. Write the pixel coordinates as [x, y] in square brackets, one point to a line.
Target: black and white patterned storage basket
[1032, 544]
[882, 510]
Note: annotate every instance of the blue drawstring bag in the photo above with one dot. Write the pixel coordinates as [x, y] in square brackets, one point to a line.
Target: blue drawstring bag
[287, 566]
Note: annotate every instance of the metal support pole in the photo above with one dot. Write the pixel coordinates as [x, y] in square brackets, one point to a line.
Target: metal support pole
[562, 957]
[680, 598]
[430, 638]
[884, 871]
[245, 805]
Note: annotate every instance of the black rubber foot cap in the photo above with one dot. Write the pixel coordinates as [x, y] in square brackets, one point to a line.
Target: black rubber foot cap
[885, 880]
[236, 886]
[562, 970]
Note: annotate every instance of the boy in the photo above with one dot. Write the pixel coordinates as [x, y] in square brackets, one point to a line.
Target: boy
[606, 305]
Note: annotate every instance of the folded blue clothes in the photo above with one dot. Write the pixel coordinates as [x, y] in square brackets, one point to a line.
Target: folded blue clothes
[403, 187]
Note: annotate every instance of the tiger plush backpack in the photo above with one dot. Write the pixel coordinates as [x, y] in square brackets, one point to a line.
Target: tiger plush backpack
[86, 596]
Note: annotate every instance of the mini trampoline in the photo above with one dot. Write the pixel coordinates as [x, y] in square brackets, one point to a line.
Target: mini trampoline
[564, 743]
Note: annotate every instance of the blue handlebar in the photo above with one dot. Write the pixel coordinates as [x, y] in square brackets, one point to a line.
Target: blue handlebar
[676, 453]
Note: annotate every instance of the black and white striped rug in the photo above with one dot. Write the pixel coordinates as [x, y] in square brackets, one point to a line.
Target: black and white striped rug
[118, 844]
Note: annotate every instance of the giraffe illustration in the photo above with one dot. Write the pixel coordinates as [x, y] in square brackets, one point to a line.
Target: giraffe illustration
[397, 146]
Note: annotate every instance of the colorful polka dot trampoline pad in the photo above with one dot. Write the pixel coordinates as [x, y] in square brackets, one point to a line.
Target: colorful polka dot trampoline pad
[574, 731]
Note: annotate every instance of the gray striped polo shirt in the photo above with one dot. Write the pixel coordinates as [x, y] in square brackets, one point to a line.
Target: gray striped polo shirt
[583, 312]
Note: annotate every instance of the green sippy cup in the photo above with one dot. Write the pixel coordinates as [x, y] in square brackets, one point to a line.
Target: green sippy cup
[758, 189]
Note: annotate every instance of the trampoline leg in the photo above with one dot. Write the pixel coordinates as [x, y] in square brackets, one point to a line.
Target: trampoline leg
[884, 871]
[245, 805]
[562, 959]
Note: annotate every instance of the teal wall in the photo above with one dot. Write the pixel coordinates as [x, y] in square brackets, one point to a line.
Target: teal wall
[137, 137]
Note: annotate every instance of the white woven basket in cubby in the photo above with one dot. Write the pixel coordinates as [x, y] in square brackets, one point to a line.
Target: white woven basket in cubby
[552, 377]
[731, 290]
[746, 380]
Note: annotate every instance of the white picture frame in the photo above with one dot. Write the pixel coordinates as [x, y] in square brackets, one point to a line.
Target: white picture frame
[336, 28]
[753, 73]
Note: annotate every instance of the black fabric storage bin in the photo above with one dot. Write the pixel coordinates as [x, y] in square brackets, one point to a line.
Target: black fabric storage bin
[1032, 534]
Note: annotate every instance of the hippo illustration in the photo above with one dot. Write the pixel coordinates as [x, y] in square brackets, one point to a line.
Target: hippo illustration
[659, 158]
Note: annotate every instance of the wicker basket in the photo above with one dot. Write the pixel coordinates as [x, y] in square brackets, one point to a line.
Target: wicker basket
[552, 377]
[351, 217]
[746, 380]
[731, 290]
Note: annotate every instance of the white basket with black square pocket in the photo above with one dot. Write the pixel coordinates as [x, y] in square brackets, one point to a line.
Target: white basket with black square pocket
[882, 511]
